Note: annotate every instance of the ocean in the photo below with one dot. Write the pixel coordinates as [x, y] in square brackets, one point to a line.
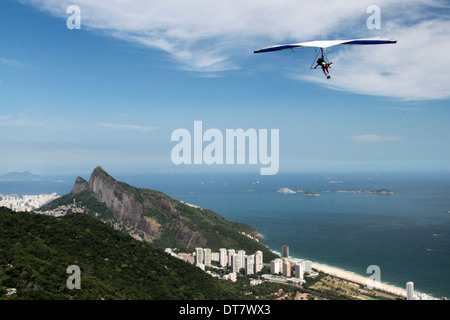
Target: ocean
[406, 234]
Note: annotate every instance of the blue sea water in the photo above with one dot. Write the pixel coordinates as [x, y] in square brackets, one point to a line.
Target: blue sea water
[406, 234]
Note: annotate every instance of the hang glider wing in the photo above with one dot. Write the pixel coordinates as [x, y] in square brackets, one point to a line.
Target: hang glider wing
[323, 44]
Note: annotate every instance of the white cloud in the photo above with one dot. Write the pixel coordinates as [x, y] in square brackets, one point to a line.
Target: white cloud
[126, 126]
[370, 138]
[413, 69]
[217, 35]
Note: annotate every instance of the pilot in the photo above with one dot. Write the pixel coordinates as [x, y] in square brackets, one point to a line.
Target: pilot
[321, 62]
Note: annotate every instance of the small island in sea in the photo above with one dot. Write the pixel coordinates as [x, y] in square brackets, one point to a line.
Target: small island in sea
[380, 191]
[310, 194]
[285, 191]
[336, 181]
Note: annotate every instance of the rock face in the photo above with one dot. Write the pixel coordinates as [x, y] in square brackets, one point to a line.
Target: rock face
[80, 185]
[108, 191]
[131, 211]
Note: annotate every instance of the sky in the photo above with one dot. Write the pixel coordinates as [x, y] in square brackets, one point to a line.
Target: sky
[112, 92]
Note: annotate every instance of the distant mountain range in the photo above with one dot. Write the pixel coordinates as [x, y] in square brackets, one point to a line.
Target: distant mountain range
[20, 176]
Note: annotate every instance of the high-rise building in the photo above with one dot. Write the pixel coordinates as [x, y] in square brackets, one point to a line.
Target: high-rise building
[199, 256]
[299, 270]
[285, 251]
[250, 264]
[308, 267]
[231, 252]
[276, 266]
[410, 291]
[241, 258]
[207, 257]
[258, 261]
[235, 263]
[286, 268]
[223, 257]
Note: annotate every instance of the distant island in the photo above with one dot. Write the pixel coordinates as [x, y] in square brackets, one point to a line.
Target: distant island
[310, 194]
[336, 181]
[315, 194]
[380, 191]
[20, 176]
[26, 176]
[290, 191]
[285, 191]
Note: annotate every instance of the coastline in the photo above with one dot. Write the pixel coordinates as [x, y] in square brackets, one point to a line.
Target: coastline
[353, 277]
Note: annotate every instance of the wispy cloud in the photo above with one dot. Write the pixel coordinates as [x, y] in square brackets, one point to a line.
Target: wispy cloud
[218, 35]
[20, 120]
[403, 108]
[126, 127]
[10, 63]
[372, 138]
[5, 117]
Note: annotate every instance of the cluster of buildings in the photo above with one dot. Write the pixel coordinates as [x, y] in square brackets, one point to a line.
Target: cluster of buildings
[225, 259]
[231, 259]
[63, 210]
[284, 270]
[26, 202]
[291, 270]
[31, 203]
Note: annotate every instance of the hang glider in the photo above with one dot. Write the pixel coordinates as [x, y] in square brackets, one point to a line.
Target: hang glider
[322, 61]
[324, 44]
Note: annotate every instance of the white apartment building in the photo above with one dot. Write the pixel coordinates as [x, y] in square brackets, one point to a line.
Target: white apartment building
[241, 258]
[410, 291]
[258, 261]
[199, 256]
[276, 266]
[299, 270]
[250, 264]
[207, 257]
[223, 257]
[231, 252]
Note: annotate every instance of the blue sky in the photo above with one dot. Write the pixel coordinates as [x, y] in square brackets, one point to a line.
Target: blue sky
[112, 93]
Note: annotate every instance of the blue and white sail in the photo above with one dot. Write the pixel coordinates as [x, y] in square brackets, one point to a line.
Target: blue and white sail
[324, 44]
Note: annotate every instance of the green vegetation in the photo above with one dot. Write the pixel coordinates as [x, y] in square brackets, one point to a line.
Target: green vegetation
[35, 251]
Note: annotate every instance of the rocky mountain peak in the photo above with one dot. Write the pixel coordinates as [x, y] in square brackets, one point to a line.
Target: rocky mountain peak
[121, 202]
[162, 220]
[79, 185]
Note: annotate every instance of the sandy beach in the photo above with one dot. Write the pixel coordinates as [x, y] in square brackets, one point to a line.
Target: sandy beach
[358, 279]
[353, 277]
